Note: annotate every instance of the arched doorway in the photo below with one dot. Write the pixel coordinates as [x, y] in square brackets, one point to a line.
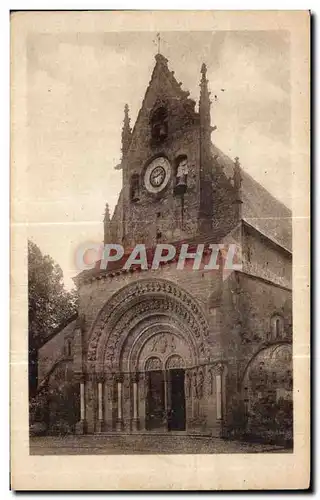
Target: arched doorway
[267, 393]
[175, 375]
[165, 395]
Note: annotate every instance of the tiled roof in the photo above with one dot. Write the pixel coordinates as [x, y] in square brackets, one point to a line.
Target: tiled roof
[260, 209]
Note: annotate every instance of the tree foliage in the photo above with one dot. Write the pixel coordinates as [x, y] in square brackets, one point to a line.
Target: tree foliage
[50, 304]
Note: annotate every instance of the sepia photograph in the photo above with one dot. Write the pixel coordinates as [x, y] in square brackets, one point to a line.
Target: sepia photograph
[156, 209]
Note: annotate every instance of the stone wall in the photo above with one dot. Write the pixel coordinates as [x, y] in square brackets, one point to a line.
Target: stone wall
[263, 258]
[248, 306]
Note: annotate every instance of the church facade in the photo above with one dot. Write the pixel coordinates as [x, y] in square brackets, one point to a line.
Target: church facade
[199, 351]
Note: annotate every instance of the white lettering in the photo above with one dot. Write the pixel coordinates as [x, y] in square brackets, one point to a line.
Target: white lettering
[134, 259]
[197, 256]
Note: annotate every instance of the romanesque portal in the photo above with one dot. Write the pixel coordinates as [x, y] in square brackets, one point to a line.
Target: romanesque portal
[150, 366]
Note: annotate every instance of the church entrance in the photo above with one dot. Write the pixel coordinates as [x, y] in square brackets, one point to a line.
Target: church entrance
[155, 402]
[165, 401]
[177, 402]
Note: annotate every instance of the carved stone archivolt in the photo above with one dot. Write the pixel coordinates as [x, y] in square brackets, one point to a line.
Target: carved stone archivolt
[141, 299]
[150, 332]
[147, 307]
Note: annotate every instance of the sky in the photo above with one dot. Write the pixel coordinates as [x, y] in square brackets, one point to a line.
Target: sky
[78, 85]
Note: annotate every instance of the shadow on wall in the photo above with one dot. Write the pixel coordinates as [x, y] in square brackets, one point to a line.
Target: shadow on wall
[56, 408]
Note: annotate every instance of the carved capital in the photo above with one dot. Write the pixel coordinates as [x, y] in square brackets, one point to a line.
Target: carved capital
[119, 378]
[92, 377]
[219, 368]
[100, 377]
[79, 377]
[135, 377]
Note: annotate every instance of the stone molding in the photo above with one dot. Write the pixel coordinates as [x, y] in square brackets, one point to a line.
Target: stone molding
[145, 296]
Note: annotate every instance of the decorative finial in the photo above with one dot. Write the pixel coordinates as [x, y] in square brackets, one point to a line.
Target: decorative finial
[126, 120]
[204, 71]
[237, 179]
[106, 213]
[204, 83]
[126, 131]
[106, 225]
[159, 42]
[204, 103]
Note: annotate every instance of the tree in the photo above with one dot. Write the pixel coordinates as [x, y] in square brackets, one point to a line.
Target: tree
[50, 305]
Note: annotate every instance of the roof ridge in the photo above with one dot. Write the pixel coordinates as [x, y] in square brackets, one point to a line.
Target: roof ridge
[216, 149]
[160, 61]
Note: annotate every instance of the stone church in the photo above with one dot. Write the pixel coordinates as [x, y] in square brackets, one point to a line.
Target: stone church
[164, 350]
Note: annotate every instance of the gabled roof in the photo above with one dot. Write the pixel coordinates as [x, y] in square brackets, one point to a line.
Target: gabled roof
[161, 74]
[260, 209]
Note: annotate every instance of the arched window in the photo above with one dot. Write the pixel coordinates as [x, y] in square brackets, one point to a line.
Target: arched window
[134, 187]
[159, 124]
[277, 327]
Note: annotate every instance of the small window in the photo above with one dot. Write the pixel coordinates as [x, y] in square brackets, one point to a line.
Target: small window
[134, 188]
[68, 348]
[159, 124]
[277, 327]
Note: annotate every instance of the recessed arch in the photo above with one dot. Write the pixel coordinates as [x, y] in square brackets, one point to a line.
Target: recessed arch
[268, 354]
[152, 329]
[267, 391]
[135, 302]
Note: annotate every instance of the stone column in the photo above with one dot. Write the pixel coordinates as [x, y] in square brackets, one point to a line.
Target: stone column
[194, 396]
[135, 420]
[142, 393]
[119, 424]
[219, 391]
[80, 426]
[100, 421]
[109, 402]
[82, 402]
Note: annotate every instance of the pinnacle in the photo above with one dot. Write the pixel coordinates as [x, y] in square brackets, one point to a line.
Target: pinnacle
[204, 70]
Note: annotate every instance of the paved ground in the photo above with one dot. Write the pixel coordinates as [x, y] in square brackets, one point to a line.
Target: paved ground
[143, 444]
